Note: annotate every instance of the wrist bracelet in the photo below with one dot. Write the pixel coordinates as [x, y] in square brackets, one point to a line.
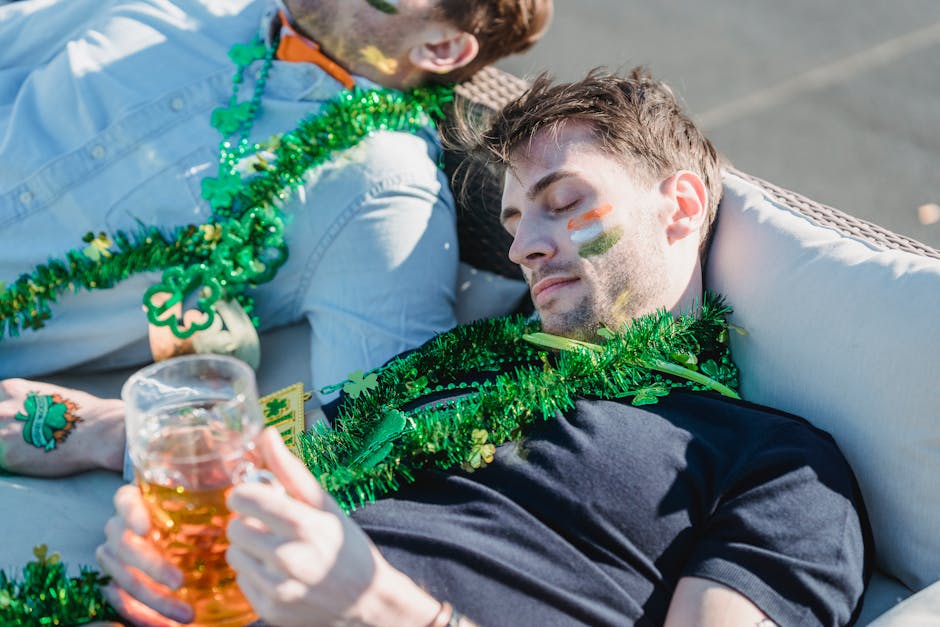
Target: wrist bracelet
[447, 616]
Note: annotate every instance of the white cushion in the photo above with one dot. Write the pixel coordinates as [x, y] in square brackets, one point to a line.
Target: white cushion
[847, 336]
[482, 294]
[882, 595]
[920, 610]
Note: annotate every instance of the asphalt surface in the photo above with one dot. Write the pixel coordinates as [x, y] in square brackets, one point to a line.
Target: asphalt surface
[836, 99]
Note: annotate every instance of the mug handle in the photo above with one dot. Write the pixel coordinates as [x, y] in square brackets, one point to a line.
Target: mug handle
[247, 472]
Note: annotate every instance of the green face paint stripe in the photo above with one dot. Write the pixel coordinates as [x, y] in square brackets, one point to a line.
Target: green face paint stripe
[603, 243]
[383, 6]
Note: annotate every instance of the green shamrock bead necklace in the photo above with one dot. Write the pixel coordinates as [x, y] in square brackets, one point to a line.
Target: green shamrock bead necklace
[243, 245]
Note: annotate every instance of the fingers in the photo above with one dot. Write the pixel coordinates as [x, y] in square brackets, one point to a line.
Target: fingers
[131, 590]
[126, 546]
[124, 549]
[130, 506]
[138, 613]
[290, 471]
[252, 574]
[278, 599]
[283, 516]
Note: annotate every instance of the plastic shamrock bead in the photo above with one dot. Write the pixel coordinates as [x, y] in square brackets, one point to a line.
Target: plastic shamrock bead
[221, 191]
[245, 54]
[229, 119]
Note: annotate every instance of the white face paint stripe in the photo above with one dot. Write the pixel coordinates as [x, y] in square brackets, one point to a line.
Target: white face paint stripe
[591, 231]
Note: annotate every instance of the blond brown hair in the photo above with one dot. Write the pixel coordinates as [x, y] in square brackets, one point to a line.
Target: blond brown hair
[636, 119]
[502, 28]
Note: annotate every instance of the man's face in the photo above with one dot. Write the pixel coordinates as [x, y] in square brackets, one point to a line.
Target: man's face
[589, 236]
[369, 37]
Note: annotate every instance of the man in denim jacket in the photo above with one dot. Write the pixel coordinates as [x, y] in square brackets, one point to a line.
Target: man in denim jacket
[104, 126]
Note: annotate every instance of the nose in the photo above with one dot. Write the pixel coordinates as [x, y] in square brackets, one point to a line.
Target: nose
[531, 245]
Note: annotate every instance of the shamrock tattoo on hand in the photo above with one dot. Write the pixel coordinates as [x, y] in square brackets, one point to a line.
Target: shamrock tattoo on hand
[49, 419]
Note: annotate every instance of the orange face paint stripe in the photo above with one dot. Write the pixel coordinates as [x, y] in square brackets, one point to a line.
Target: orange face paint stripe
[586, 218]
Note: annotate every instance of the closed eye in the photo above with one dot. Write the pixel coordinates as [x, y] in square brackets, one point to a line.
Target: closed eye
[566, 208]
[508, 217]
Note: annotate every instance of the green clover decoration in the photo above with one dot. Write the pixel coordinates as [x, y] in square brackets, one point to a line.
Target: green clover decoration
[98, 246]
[244, 54]
[274, 407]
[649, 395]
[220, 192]
[178, 283]
[43, 556]
[250, 250]
[482, 452]
[229, 119]
[359, 383]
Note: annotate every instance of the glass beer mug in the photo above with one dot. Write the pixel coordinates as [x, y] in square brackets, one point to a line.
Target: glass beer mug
[191, 422]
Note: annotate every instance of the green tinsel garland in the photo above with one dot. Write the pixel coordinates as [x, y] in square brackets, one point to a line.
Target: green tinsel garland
[377, 442]
[46, 595]
[244, 247]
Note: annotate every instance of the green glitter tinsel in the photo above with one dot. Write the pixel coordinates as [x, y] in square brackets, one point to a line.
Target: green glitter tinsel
[244, 246]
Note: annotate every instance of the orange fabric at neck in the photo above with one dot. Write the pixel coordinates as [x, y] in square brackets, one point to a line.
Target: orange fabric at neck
[296, 48]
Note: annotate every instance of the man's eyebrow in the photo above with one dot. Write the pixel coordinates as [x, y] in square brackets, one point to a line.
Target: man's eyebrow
[546, 181]
[540, 186]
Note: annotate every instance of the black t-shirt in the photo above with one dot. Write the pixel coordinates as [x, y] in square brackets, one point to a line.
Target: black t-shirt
[594, 517]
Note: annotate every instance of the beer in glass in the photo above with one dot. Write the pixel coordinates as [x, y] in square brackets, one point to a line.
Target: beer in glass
[191, 422]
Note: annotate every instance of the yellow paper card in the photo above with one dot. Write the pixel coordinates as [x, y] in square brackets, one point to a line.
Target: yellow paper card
[284, 410]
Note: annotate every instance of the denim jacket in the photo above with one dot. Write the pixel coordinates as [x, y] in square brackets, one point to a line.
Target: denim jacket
[104, 125]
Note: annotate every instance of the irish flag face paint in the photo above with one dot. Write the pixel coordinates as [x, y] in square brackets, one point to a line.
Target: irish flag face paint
[592, 236]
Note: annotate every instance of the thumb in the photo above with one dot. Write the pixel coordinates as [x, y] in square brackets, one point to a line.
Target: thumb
[290, 471]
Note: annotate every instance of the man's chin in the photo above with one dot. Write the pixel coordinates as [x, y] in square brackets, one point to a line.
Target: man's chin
[570, 328]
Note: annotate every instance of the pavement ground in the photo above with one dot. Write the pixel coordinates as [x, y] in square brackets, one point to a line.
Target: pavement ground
[836, 99]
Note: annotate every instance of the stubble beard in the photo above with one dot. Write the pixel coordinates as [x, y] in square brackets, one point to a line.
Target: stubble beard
[632, 286]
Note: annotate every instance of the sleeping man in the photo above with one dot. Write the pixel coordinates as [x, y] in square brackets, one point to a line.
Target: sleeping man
[595, 469]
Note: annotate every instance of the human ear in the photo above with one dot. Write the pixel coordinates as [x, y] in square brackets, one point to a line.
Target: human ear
[689, 197]
[452, 50]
